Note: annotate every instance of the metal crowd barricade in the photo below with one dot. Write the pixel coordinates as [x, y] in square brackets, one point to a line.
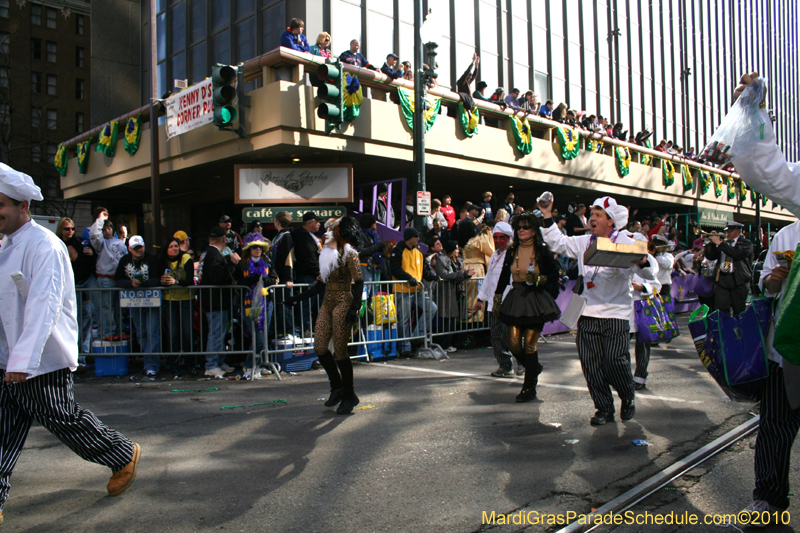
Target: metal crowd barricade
[164, 321]
[456, 315]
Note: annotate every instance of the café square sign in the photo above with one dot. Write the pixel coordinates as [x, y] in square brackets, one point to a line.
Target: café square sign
[281, 184]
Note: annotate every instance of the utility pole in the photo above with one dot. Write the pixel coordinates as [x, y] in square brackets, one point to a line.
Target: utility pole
[155, 177]
[419, 100]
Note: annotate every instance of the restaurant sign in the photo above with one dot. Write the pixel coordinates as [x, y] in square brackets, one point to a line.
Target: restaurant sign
[281, 184]
[267, 214]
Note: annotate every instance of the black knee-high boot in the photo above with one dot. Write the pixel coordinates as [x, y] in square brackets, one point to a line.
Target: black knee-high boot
[329, 364]
[532, 371]
[349, 398]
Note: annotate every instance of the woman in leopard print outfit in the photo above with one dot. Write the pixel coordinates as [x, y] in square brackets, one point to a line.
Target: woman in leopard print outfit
[341, 280]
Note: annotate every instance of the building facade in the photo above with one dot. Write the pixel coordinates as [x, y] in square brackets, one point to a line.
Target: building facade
[668, 65]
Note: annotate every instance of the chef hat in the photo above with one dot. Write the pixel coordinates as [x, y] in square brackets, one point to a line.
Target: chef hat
[504, 228]
[18, 186]
[617, 213]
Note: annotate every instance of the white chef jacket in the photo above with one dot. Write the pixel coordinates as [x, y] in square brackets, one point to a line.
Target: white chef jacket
[764, 168]
[492, 277]
[666, 262]
[38, 333]
[785, 239]
[612, 294]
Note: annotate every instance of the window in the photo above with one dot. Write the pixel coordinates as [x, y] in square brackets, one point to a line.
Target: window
[52, 115]
[79, 57]
[36, 154]
[51, 18]
[51, 85]
[3, 76]
[36, 82]
[36, 14]
[36, 48]
[79, 89]
[5, 40]
[79, 122]
[36, 117]
[51, 152]
[5, 113]
[4, 5]
[79, 23]
[51, 52]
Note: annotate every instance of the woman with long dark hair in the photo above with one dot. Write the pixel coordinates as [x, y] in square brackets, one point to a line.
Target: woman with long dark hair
[341, 280]
[534, 273]
[177, 272]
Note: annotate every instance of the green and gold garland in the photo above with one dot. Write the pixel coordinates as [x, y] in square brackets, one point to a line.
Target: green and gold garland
[668, 170]
[623, 158]
[406, 97]
[83, 155]
[469, 119]
[521, 130]
[107, 140]
[133, 134]
[688, 181]
[353, 98]
[60, 160]
[569, 140]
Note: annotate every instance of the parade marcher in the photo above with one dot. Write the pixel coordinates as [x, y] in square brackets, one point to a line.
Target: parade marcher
[764, 168]
[39, 345]
[340, 279]
[532, 270]
[604, 327]
[666, 262]
[642, 288]
[734, 268]
[502, 235]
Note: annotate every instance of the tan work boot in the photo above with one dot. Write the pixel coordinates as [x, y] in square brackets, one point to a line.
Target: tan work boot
[122, 479]
[1, 518]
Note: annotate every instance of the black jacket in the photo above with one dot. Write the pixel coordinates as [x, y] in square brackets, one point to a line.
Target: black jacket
[548, 266]
[216, 270]
[281, 253]
[84, 265]
[741, 255]
[146, 271]
[467, 229]
[366, 248]
[306, 253]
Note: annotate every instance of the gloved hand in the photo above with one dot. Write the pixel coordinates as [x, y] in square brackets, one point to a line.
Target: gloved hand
[498, 301]
[352, 316]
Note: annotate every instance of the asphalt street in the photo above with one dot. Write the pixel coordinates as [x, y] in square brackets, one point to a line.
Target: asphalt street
[433, 446]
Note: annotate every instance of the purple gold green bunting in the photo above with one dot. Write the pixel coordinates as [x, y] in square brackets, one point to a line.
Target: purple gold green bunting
[742, 191]
[647, 158]
[353, 98]
[60, 160]
[623, 158]
[521, 130]
[83, 155]
[107, 140]
[705, 180]
[718, 182]
[594, 146]
[688, 181]
[731, 188]
[569, 140]
[434, 104]
[668, 170]
[133, 134]
[469, 119]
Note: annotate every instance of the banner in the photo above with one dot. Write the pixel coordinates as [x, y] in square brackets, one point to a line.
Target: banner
[521, 130]
[277, 184]
[569, 140]
[406, 98]
[353, 97]
[594, 146]
[718, 181]
[107, 140]
[688, 182]
[133, 134]
[83, 155]
[742, 191]
[705, 181]
[190, 109]
[469, 120]
[623, 157]
[731, 188]
[668, 170]
[60, 160]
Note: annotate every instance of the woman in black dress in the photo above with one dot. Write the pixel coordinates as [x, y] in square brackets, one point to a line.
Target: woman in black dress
[533, 272]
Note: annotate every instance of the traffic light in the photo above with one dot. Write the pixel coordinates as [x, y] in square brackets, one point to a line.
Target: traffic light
[429, 50]
[223, 93]
[332, 90]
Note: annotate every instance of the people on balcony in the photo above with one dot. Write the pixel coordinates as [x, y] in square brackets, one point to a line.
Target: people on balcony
[354, 57]
[323, 45]
[391, 67]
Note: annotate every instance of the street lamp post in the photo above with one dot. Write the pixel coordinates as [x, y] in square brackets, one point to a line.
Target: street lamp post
[419, 99]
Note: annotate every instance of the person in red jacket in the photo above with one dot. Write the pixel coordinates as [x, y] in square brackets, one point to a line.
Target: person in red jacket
[448, 211]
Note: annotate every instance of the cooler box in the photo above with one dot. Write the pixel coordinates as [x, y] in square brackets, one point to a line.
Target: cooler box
[110, 365]
[381, 350]
[294, 361]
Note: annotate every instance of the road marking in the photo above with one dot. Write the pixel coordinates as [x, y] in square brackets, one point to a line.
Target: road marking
[541, 384]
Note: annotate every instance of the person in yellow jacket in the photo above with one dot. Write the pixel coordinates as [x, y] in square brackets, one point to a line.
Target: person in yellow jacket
[408, 264]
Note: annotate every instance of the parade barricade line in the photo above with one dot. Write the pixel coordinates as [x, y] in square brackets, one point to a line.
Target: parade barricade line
[162, 321]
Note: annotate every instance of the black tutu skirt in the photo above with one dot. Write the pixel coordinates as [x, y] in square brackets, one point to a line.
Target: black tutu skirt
[528, 306]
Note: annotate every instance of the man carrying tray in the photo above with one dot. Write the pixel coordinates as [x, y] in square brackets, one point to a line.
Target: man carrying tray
[604, 328]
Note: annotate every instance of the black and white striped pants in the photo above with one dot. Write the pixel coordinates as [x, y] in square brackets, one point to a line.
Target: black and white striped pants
[49, 399]
[604, 351]
[498, 332]
[776, 433]
[642, 352]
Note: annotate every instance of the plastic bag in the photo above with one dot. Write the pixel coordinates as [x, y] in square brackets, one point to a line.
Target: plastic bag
[384, 309]
[743, 126]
